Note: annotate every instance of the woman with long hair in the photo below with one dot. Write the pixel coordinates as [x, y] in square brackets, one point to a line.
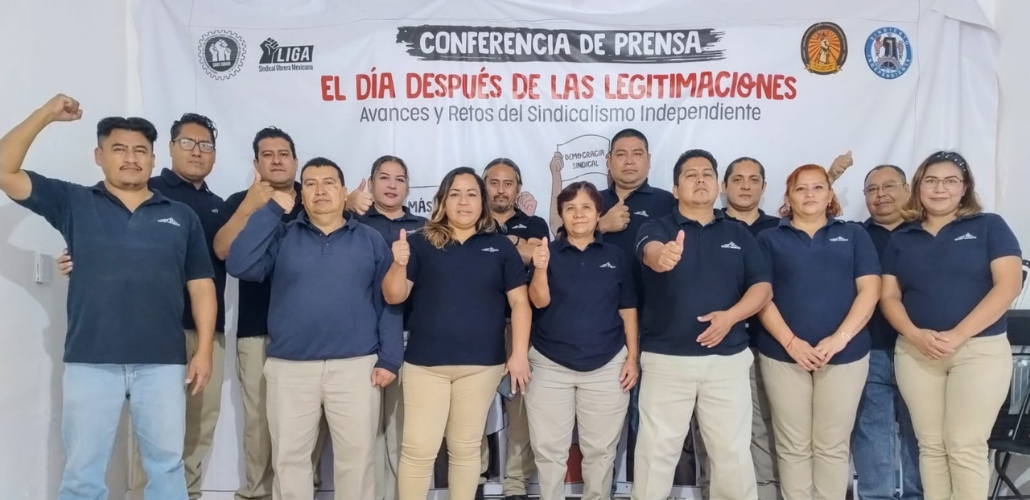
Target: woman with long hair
[584, 354]
[815, 355]
[460, 275]
[948, 280]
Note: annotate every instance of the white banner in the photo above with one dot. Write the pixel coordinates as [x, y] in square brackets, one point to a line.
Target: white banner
[447, 83]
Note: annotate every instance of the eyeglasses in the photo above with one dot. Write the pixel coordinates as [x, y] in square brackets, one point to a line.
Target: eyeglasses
[188, 144]
[887, 187]
[950, 183]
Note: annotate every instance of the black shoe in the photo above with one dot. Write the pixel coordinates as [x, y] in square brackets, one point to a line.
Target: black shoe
[479, 493]
[516, 497]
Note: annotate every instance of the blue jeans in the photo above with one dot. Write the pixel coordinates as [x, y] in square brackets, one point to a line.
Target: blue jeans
[882, 425]
[93, 399]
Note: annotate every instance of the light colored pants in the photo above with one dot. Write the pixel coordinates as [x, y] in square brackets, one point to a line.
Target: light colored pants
[813, 414]
[439, 400]
[257, 442]
[201, 417]
[557, 399]
[954, 403]
[763, 446]
[298, 393]
[519, 464]
[94, 396]
[388, 440]
[671, 387]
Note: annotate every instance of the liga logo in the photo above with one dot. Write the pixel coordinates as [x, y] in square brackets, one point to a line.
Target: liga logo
[824, 48]
[888, 52]
[221, 53]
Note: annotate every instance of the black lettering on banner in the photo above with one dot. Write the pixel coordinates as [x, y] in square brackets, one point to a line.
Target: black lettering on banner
[503, 44]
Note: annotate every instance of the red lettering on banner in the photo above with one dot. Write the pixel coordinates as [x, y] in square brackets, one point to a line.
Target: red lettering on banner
[331, 88]
[482, 85]
[524, 86]
[374, 86]
[573, 87]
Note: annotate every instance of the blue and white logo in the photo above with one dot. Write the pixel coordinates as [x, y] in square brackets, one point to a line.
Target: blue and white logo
[888, 52]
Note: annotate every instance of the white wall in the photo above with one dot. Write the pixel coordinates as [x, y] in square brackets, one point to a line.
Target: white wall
[86, 49]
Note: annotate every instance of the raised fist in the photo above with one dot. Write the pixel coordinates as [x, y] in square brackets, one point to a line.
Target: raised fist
[269, 46]
[220, 51]
[526, 202]
[62, 108]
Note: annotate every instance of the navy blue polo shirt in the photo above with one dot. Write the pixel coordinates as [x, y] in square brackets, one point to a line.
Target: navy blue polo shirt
[390, 229]
[763, 222]
[458, 299]
[814, 283]
[252, 317]
[524, 226]
[327, 292]
[125, 298]
[581, 328]
[645, 203]
[943, 278]
[883, 335]
[212, 214]
[720, 262]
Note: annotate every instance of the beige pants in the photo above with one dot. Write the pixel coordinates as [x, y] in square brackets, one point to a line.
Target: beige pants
[813, 414]
[954, 403]
[671, 387]
[763, 446]
[557, 399]
[201, 417]
[298, 394]
[439, 400]
[388, 441]
[519, 465]
[257, 443]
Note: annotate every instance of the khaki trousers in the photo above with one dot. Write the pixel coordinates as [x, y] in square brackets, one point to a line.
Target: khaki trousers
[954, 403]
[299, 394]
[813, 414]
[671, 387]
[558, 399]
[439, 401]
[201, 417]
[519, 464]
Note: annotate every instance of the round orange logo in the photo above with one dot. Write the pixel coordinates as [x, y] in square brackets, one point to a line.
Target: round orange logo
[824, 48]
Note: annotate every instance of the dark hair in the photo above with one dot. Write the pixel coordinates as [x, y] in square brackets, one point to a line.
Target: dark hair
[387, 159]
[729, 168]
[569, 193]
[628, 132]
[436, 230]
[689, 155]
[273, 133]
[881, 167]
[136, 124]
[832, 208]
[195, 119]
[506, 162]
[969, 204]
[320, 161]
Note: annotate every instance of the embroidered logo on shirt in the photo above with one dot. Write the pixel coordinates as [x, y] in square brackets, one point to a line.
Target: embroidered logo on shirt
[642, 213]
[490, 249]
[214, 210]
[731, 245]
[966, 236]
[608, 265]
[169, 221]
[839, 239]
[520, 226]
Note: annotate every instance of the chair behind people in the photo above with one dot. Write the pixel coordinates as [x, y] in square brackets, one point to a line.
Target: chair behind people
[1016, 443]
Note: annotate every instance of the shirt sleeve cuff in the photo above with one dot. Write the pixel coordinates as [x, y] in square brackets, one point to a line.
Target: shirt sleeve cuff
[386, 365]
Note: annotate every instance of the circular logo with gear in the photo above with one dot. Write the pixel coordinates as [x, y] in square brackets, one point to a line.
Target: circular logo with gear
[221, 53]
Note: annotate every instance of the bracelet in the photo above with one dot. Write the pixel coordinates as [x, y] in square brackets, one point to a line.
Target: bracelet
[791, 341]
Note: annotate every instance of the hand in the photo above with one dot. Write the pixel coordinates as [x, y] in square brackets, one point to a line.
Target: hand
[220, 51]
[64, 264]
[269, 46]
[720, 324]
[526, 202]
[557, 162]
[360, 200]
[381, 377]
[401, 250]
[541, 255]
[671, 253]
[518, 367]
[199, 373]
[62, 108]
[257, 195]
[616, 219]
[830, 346]
[284, 200]
[953, 340]
[932, 344]
[805, 356]
[839, 165]
[630, 374]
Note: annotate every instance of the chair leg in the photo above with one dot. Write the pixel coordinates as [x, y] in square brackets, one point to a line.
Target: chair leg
[999, 468]
[1002, 476]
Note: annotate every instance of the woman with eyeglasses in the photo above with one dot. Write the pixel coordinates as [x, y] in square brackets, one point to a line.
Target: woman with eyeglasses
[948, 280]
[460, 274]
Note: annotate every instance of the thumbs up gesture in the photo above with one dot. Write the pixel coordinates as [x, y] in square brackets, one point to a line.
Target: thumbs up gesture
[258, 194]
[360, 200]
[839, 165]
[616, 219]
[401, 250]
[541, 255]
[671, 253]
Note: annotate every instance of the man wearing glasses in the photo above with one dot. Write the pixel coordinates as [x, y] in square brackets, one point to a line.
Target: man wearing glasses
[882, 410]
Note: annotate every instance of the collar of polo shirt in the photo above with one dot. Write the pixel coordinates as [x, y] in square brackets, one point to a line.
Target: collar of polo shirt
[681, 219]
[916, 225]
[786, 222]
[565, 244]
[156, 196]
